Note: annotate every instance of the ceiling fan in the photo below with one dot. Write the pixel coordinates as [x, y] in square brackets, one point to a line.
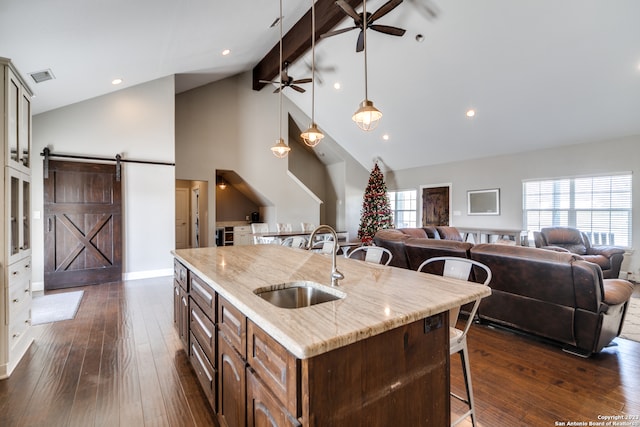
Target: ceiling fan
[287, 81]
[358, 20]
[319, 69]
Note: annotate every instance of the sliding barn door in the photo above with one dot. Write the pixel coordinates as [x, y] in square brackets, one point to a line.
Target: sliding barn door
[82, 225]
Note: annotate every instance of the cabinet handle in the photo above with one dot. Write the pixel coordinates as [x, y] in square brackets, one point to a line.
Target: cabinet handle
[201, 323]
[16, 300]
[16, 335]
[202, 291]
[202, 365]
[15, 273]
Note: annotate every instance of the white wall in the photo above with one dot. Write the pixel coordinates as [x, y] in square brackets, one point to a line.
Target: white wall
[138, 123]
[508, 172]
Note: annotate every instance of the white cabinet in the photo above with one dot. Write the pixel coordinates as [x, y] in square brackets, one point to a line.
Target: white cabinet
[15, 252]
[242, 235]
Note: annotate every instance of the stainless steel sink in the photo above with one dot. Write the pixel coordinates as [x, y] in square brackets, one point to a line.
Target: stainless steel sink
[298, 294]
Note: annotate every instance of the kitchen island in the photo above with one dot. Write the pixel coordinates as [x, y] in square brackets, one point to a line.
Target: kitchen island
[377, 356]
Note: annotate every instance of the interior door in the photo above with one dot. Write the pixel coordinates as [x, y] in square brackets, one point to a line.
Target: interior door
[83, 225]
[182, 218]
[435, 206]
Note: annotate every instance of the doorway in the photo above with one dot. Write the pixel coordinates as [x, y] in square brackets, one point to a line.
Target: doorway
[192, 214]
[82, 225]
[436, 202]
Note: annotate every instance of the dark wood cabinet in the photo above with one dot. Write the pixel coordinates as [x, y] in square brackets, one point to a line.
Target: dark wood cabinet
[231, 385]
[398, 377]
[263, 409]
[181, 302]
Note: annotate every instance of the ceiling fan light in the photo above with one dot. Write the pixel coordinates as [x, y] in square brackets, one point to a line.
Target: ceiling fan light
[367, 117]
[280, 149]
[312, 136]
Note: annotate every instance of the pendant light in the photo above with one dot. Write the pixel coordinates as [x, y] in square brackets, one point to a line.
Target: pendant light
[367, 116]
[313, 135]
[280, 149]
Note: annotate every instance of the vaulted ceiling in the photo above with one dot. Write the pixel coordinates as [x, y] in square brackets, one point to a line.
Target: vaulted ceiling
[538, 74]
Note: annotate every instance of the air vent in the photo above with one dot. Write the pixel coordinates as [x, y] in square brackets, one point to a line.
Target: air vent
[42, 76]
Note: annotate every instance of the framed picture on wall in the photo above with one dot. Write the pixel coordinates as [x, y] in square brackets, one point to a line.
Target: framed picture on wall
[483, 202]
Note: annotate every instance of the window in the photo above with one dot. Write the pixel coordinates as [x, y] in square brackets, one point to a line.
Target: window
[403, 208]
[599, 206]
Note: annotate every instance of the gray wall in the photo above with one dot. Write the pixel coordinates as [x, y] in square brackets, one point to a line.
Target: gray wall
[138, 123]
[227, 125]
[508, 172]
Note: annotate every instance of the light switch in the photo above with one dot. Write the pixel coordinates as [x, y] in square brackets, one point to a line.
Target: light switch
[36, 214]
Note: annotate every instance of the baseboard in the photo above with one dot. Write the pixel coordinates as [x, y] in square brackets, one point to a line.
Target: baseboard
[148, 274]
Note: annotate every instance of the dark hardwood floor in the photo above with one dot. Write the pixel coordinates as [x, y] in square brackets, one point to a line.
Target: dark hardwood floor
[120, 363]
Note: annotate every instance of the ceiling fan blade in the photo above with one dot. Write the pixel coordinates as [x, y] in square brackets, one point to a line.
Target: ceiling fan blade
[394, 31]
[360, 43]
[336, 32]
[384, 9]
[298, 88]
[268, 81]
[350, 11]
[300, 81]
[277, 90]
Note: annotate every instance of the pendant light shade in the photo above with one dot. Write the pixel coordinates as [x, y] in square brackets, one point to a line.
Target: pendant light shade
[367, 116]
[312, 136]
[280, 149]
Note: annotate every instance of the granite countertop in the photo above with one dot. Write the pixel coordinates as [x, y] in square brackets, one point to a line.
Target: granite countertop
[378, 298]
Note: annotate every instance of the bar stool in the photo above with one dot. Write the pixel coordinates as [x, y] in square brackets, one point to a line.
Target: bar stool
[461, 268]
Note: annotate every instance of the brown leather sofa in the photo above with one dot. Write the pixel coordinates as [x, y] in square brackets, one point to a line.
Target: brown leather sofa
[556, 295]
[551, 294]
[609, 258]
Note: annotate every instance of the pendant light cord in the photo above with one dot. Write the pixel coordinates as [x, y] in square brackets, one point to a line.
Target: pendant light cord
[280, 76]
[364, 30]
[313, 60]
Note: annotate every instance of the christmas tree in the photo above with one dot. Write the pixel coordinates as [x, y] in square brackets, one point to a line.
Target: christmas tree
[376, 209]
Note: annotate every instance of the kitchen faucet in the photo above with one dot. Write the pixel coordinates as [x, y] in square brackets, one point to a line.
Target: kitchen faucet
[335, 274]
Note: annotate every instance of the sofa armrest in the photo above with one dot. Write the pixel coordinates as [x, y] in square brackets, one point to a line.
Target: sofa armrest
[607, 251]
[616, 291]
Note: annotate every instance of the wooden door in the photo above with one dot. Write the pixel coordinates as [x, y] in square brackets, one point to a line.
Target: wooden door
[83, 225]
[182, 218]
[435, 206]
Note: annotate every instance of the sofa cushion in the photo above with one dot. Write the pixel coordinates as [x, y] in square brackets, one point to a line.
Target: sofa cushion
[419, 250]
[449, 233]
[393, 240]
[566, 237]
[414, 232]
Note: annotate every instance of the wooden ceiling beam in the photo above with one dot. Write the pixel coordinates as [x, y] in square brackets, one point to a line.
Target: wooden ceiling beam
[298, 40]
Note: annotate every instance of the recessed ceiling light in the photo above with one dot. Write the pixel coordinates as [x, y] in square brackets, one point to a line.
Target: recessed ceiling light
[226, 52]
[116, 81]
[385, 136]
[471, 113]
[336, 85]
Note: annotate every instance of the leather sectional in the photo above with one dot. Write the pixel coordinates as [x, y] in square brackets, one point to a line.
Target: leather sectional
[551, 294]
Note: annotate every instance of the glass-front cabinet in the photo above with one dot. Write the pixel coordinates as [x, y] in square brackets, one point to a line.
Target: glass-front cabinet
[19, 219]
[18, 123]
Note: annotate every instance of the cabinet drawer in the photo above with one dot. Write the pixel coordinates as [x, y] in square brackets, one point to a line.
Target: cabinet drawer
[18, 328]
[20, 271]
[204, 371]
[233, 324]
[19, 299]
[203, 295]
[180, 274]
[275, 366]
[204, 330]
[263, 408]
